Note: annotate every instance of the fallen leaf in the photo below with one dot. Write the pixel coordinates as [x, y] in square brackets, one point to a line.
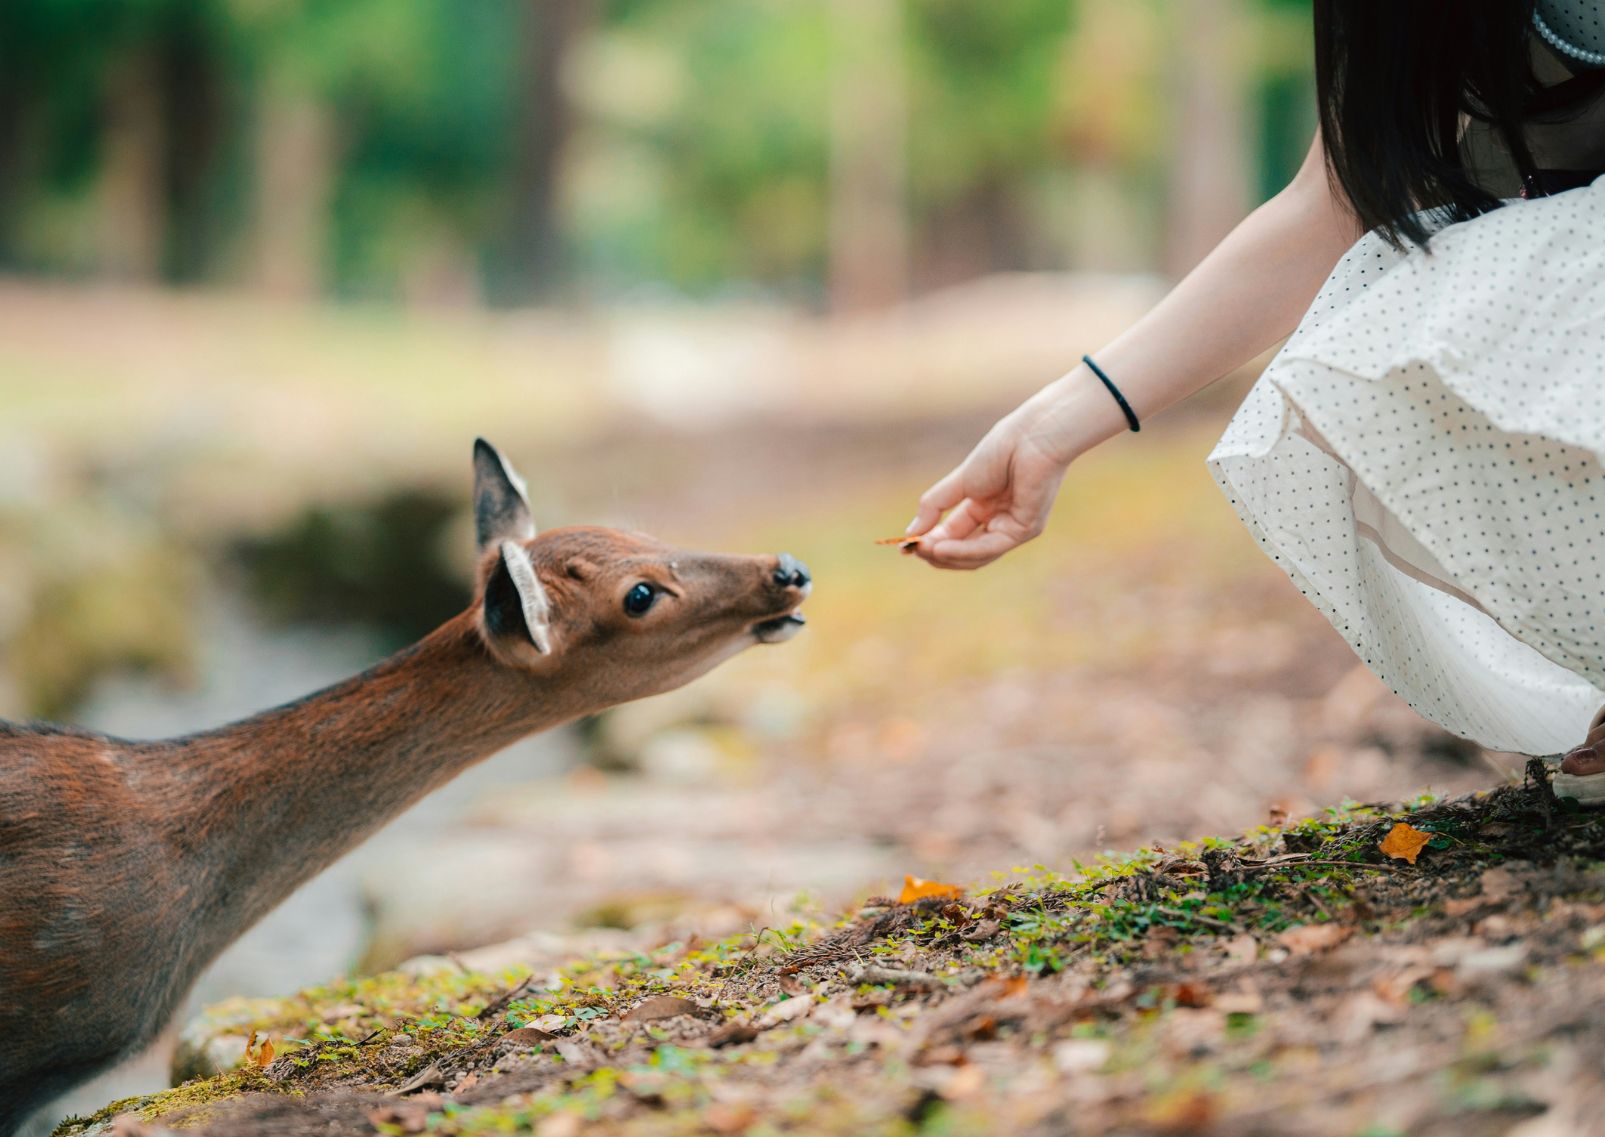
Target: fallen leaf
[784, 1012]
[729, 1118]
[1014, 985]
[560, 1125]
[982, 930]
[426, 1078]
[1404, 842]
[525, 1036]
[1241, 949]
[916, 889]
[1188, 1113]
[1499, 883]
[1241, 1002]
[661, 1007]
[575, 1053]
[258, 1056]
[903, 542]
[965, 1082]
[399, 1118]
[1306, 939]
[732, 1034]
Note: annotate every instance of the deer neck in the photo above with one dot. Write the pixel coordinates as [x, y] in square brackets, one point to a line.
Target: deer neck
[264, 804]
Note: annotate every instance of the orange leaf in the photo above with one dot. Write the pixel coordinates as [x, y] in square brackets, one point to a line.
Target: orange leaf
[1307, 939]
[1404, 842]
[916, 889]
[900, 542]
[265, 1055]
[250, 1048]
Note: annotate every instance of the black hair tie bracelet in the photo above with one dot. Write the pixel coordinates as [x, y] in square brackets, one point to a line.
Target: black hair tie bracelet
[1125, 407]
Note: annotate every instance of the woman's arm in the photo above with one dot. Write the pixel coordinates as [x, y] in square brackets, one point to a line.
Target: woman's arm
[1248, 293]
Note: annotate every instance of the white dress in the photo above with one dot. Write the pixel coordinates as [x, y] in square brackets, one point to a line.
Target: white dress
[1423, 458]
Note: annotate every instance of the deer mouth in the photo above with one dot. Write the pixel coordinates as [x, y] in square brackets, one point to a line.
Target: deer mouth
[779, 629]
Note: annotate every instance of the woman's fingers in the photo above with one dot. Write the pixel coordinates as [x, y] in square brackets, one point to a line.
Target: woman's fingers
[951, 543]
[969, 516]
[937, 500]
[972, 552]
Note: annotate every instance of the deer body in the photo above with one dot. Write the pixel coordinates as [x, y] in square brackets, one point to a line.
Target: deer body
[127, 867]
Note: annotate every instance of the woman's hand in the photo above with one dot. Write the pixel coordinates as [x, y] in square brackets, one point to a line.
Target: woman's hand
[1245, 296]
[1000, 496]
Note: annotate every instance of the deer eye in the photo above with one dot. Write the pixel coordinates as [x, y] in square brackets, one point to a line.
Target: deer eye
[640, 599]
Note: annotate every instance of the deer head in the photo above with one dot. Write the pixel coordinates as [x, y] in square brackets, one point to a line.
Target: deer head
[634, 615]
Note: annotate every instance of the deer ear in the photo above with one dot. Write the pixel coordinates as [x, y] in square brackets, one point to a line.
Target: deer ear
[501, 507]
[515, 602]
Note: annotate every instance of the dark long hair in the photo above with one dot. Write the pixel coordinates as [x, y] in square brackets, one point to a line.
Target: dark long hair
[1393, 78]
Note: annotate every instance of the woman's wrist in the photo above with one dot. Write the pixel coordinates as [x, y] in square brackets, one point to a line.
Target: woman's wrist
[1071, 415]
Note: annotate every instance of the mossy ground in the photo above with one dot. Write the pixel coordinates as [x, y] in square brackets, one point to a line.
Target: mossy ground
[1291, 980]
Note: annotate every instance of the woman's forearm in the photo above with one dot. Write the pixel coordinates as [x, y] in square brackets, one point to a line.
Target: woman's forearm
[1241, 299]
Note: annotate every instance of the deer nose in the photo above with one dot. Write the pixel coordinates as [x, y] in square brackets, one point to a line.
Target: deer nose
[790, 572]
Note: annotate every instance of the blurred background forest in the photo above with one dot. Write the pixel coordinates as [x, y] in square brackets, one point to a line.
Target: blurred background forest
[830, 153]
[747, 274]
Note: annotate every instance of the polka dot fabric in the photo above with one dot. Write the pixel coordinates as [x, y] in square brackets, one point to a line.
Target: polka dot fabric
[1576, 28]
[1423, 458]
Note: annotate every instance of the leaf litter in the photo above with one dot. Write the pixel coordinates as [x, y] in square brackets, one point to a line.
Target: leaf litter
[1285, 981]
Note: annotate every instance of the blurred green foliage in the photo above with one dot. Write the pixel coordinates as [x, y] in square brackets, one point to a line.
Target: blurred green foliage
[506, 149]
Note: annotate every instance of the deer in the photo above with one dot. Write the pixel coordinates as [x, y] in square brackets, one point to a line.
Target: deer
[126, 867]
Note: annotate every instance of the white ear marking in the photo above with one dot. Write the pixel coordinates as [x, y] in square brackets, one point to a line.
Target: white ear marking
[517, 481]
[537, 610]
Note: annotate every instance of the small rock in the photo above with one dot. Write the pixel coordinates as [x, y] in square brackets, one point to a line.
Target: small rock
[1080, 1055]
[1491, 961]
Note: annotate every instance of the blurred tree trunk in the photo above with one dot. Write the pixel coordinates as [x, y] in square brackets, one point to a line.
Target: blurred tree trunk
[1212, 166]
[975, 235]
[543, 121]
[868, 208]
[296, 148]
[14, 113]
[1111, 114]
[192, 102]
[131, 200]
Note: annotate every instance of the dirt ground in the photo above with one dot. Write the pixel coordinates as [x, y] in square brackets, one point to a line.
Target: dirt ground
[1297, 980]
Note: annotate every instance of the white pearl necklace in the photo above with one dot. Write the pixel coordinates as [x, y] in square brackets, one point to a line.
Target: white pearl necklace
[1593, 58]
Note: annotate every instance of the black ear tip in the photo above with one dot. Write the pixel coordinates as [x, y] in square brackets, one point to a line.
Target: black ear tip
[483, 449]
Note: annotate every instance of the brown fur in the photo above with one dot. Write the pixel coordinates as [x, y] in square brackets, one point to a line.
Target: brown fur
[126, 867]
